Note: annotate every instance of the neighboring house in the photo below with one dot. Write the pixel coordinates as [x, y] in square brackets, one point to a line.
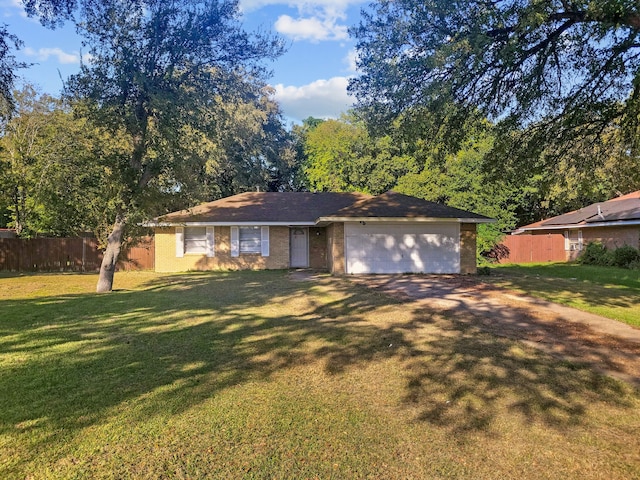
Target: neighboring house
[7, 233]
[340, 232]
[613, 223]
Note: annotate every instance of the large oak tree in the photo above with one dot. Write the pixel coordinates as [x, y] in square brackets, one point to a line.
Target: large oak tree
[157, 71]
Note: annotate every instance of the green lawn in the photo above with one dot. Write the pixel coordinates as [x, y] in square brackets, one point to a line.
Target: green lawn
[255, 375]
[607, 291]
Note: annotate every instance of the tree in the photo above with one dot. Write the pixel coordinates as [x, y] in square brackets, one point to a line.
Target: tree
[25, 157]
[8, 67]
[556, 179]
[157, 70]
[461, 180]
[563, 70]
[341, 156]
[253, 149]
[51, 170]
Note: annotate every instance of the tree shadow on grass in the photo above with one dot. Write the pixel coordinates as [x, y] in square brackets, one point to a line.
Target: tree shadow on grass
[469, 368]
[69, 361]
[465, 379]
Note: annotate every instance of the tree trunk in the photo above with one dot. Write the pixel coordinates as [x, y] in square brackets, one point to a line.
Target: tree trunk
[110, 258]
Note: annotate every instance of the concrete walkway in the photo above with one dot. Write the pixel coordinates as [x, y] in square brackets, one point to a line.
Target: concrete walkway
[611, 346]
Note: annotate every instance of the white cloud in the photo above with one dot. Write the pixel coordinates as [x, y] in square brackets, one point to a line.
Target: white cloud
[351, 60]
[43, 54]
[320, 99]
[12, 3]
[317, 20]
[314, 29]
[301, 5]
[10, 6]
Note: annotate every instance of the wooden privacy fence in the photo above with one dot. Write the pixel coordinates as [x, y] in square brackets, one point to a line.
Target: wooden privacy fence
[68, 255]
[531, 249]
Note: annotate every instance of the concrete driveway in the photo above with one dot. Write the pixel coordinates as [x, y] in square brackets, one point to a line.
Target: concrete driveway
[610, 346]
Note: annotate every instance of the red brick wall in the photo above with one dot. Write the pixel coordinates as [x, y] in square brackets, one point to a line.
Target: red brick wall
[613, 237]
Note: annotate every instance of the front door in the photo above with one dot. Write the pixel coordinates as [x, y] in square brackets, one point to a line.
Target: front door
[299, 247]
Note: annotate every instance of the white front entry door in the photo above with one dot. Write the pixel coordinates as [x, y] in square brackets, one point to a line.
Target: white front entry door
[402, 248]
[299, 247]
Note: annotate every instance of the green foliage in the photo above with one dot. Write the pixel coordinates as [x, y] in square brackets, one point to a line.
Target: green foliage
[57, 174]
[48, 176]
[8, 67]
[596, 254]
[569, 67]
[51, 13]
[158, 75]
[332, 149]
[623, 257]
[460, 180]
[340, 156]
[250, 150]
[557, 179]
[165, 93]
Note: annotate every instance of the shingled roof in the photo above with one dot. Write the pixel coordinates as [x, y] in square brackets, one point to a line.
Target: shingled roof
[304, 208]
[615, 211]
[610, 211]
[266, 207]
[396, 205]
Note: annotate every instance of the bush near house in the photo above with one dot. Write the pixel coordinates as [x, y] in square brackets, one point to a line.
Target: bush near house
[597, 254]
[626, 257]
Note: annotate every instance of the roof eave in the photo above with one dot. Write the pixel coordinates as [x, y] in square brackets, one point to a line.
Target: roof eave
[573, 226]
[330, 219]
[228, 224]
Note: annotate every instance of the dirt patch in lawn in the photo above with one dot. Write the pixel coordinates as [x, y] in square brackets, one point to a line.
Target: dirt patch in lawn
[570, 334]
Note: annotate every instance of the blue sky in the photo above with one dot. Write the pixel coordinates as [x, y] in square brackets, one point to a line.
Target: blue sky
[310, 79]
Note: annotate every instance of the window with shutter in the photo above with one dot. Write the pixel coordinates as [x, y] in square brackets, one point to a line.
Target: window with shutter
[195, 240]
[250, 239]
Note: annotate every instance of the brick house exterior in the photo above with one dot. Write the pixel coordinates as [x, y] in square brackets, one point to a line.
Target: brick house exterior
[312, 230]
[613, 223]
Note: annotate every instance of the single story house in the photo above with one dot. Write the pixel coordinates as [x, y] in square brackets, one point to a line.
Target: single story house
[613, 223]
[344, 233]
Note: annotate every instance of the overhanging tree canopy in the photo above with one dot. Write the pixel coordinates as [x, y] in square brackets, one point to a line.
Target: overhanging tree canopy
[569, 67]
[51, 13]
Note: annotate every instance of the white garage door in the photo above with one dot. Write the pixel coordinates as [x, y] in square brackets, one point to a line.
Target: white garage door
[402, 248]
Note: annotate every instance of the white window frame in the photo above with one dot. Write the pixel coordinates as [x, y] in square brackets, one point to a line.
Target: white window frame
[573, 241]
[186, 244]
[242, 248]
[195, 240]
[250, 240]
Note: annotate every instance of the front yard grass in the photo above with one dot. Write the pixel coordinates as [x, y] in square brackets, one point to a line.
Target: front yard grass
[258, 375]
[607, 291]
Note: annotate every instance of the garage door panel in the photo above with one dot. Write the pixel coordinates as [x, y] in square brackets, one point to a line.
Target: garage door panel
[403, 248]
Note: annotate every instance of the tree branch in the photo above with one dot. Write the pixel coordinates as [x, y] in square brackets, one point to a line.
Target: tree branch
[550, 38]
